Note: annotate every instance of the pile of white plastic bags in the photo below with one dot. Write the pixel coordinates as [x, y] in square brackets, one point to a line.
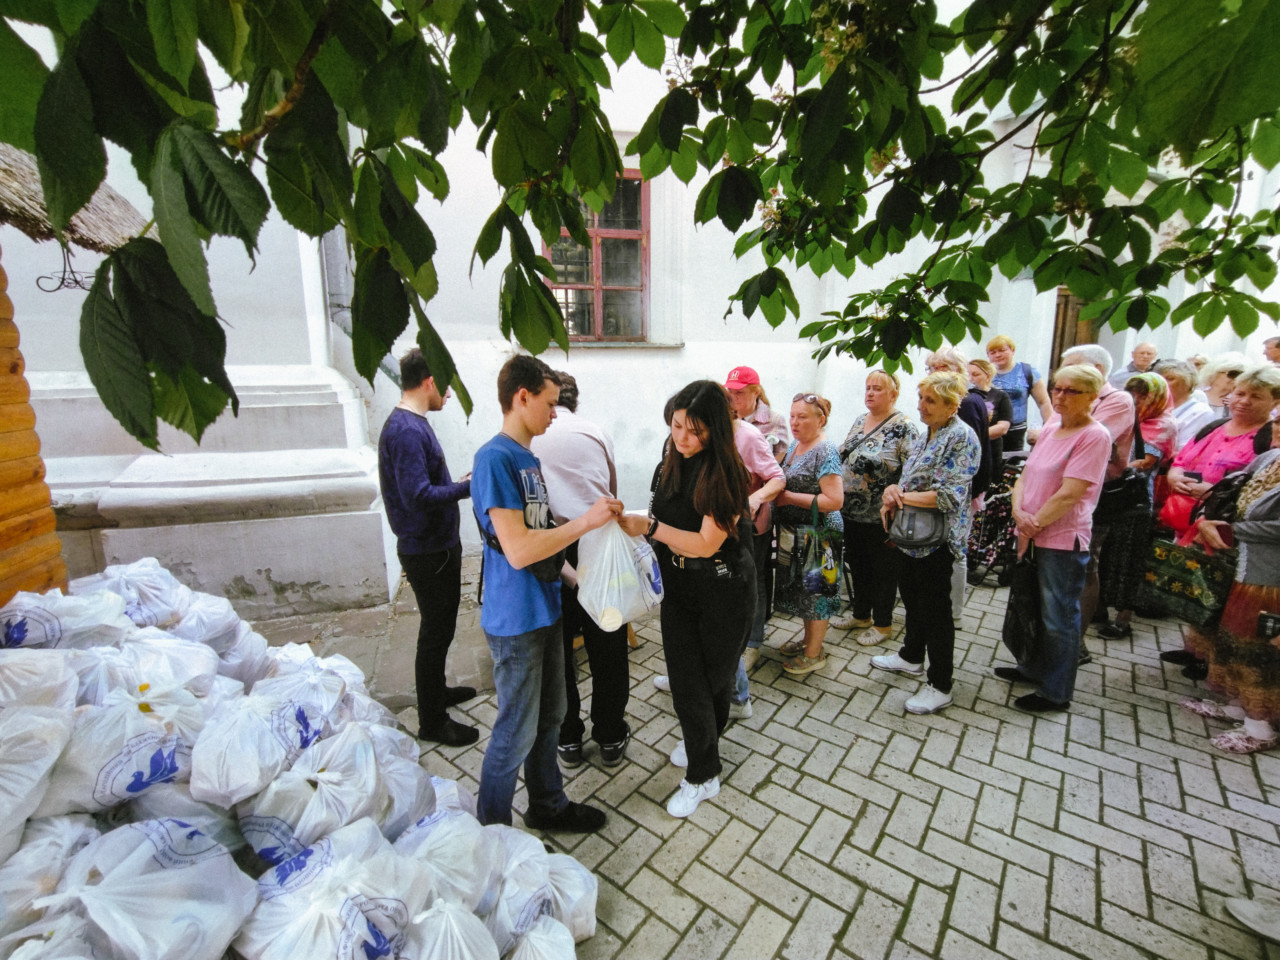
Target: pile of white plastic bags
[175, 789]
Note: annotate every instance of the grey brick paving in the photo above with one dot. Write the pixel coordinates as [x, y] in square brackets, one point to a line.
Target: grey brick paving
[847, 829]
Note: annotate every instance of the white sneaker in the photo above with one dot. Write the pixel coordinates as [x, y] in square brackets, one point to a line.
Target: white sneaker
[891, 661]
[749, 658]
[678, 755]
[928, 699]
[662, 683]
[686, 799]
[741, 711]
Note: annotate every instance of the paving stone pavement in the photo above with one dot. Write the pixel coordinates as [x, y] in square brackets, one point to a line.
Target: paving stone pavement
[847, 828]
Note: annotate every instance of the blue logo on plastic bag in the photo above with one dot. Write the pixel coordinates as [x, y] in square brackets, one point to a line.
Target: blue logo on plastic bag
[307, 734]
[15, 633]
[164, 768]
[289, 867]
[379, 946]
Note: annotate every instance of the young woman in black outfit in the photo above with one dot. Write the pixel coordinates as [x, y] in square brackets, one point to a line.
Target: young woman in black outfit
[701, 529]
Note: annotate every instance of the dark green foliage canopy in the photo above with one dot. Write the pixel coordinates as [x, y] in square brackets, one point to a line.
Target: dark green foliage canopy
[1137, 126]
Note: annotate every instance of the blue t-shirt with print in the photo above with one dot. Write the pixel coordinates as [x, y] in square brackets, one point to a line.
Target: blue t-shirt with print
[507, 476]
[1017, 383]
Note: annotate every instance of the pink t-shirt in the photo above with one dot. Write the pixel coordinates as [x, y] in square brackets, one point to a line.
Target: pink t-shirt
[1081, 456]
[757, 457]
[1216, 455]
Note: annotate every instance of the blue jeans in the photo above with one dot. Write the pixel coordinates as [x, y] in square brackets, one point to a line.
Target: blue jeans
[528, 671]
[1062, 576]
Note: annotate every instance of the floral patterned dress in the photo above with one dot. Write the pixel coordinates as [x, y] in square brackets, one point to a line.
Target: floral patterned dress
[945, 463]
[873, 462]
[804, 475]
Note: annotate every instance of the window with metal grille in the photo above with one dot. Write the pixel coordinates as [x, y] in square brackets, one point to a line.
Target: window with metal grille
[604, 289]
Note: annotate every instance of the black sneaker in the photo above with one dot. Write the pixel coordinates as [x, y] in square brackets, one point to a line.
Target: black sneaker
[575, 818]
[1034, 703]
[1012, 674]
[456, 695]
[449, 732]
[1085, 656]
[571, 754]
[1115, 631]
[612, 754]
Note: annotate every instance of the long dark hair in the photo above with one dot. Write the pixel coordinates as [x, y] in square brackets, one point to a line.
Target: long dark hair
[721, 492]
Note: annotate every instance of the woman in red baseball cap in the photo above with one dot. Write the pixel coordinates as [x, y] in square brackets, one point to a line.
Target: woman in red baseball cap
[749, 403]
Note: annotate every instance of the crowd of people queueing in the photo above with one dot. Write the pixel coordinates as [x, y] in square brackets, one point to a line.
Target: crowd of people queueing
[743, 499]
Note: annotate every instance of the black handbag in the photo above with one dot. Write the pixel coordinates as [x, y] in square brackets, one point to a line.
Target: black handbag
[1023, 627]
[914, 528]
[1129, 493]
[1219, 501]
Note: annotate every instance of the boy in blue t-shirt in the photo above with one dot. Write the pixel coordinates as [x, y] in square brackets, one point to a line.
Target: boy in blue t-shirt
[521, 614]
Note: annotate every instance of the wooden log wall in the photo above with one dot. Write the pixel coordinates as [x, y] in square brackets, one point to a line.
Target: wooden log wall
[30, 551]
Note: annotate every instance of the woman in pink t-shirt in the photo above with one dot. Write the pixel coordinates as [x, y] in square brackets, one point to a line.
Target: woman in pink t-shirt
[1225, 450]
[1053, 503]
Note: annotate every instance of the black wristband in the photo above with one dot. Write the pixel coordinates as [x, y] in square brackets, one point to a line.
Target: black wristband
[653, 528]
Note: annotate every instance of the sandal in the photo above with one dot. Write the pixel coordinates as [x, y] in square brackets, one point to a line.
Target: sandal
[801, 665]
[1205, 708]
[1237, 741]
[792, 648]
[870, 637]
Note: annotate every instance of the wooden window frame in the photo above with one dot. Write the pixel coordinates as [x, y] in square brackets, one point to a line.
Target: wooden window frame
[597, 286]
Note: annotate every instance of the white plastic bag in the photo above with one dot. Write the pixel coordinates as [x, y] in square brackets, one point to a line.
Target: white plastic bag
[55, 620]
[332, 783]
[409, 793]
[347, 897]
[451, 795]
[246, 743]
[174, 801]
[299, 656]
[137, 738]
[164, 660]
[99, 671]
[37, 678]
[62, 938]
[618, 576]
[31, 740]
[209, 620]
[525, 894]
[547, 939]
[153, 597]
[159, 890]
[246, 658]
[448, 932]
[36, 868]
[465, 858]
[322, 689]
[574, 891]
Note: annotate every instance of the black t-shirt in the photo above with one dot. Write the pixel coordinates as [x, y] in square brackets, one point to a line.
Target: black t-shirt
[999, 407]
[973, 411]
[677, 510]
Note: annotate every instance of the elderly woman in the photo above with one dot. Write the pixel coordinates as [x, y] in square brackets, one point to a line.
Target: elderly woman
[1225, 449]
[1053, 503]
[1243, 652]
[1189, 412]
[1021, 382]
[812, 466]
[872, 456]
[936, 476]
[1218, 378]
[1123, 563]
[748, 401]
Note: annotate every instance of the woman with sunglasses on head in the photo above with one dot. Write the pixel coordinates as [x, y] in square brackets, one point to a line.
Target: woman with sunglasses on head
[701, 530]
[812, 467]
[936, 476]
[1053, 503]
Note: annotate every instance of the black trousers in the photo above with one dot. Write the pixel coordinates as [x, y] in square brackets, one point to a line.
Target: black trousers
[925, 585]
[610, 677]
[436, 580]
[873, 570]
[704, 621]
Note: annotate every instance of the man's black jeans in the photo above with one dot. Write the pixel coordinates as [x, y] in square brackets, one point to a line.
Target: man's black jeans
[436, 579]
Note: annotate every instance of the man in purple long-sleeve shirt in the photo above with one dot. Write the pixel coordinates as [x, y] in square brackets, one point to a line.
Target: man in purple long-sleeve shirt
[421, 500]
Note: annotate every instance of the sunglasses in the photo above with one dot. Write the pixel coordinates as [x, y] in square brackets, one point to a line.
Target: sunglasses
[1066, 391]
[806, 397]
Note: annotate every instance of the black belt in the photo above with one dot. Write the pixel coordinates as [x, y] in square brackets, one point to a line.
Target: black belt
[719, 568]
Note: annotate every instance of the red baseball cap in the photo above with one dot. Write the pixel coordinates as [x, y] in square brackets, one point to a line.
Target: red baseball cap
[740, 377]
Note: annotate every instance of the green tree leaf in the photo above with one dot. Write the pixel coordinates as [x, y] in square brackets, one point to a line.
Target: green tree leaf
[379, 310]
[177, 227]
[69, 152]
[114, 362]
[1202, 67]
[651, 49]
[173, 25]
[228, 199]
[307, 168]
[22, 77]
[189, 403]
